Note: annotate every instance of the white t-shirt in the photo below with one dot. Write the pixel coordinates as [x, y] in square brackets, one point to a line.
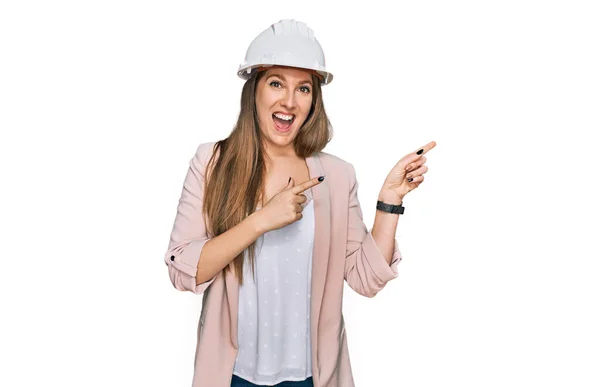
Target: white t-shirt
[274, 310]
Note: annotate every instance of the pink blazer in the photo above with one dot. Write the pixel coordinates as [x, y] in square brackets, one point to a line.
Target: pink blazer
[343, 250]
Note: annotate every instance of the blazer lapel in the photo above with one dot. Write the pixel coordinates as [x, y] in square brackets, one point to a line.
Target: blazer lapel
[232, 288]
[322, 209]
[320, 257]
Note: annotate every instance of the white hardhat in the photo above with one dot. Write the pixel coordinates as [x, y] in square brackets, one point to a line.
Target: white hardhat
[286, 43]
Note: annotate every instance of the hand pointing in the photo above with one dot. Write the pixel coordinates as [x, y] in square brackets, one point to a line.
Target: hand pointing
[285, 207]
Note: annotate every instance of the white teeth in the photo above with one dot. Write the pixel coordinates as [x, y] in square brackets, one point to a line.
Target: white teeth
[283, 116]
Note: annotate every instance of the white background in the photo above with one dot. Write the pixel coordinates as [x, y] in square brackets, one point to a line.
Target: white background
[103, 104]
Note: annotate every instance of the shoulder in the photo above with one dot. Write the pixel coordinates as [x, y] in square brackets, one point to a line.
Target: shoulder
[204, 151]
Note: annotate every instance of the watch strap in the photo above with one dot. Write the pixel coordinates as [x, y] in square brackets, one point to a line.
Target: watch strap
[392, 208]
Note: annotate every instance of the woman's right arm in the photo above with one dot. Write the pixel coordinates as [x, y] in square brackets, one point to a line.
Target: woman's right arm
[222, 249]
[194, 260]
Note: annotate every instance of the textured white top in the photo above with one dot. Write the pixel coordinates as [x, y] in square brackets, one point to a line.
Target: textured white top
[274, 308]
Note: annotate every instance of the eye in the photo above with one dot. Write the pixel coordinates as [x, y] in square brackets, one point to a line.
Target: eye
[275, 82]
[305, 88]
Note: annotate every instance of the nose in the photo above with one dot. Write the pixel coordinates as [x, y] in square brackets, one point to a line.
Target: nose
[289, 99]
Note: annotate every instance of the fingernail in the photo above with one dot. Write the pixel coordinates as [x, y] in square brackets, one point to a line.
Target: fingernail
[410, 179]
[420, 151]
[290, 179]
[321, 178]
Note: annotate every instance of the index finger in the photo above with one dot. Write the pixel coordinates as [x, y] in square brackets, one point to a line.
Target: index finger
[429, 146]
[305, 185]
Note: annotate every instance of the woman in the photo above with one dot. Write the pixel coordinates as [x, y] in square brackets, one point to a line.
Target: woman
[271, 255]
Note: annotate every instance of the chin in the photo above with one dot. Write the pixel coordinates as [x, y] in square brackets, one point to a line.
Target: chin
[283, 138]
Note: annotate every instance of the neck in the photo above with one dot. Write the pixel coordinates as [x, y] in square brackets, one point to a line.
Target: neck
[279, 153]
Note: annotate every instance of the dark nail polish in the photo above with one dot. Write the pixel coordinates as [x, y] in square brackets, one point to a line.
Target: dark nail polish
[410, 179]
[420, 151]
[290, 179]
[321, 178]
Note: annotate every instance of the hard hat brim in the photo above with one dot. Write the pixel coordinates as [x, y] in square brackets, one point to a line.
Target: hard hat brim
[246, 72]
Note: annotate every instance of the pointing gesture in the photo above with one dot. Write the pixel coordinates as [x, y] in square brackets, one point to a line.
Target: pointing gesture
[285, 207]
[408, 173]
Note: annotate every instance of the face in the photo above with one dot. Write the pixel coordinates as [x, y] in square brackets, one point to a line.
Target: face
[283, 101]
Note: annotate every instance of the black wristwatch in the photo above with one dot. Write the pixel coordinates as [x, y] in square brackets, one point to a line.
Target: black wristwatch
[392, 208]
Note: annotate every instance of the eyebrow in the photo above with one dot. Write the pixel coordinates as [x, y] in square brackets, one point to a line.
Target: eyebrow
[282, 77]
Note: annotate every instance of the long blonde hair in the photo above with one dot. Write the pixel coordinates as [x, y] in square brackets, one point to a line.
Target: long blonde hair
[236, 178]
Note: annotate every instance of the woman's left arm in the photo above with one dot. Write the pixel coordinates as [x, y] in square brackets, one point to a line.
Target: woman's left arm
[372, 256]
[384, 226]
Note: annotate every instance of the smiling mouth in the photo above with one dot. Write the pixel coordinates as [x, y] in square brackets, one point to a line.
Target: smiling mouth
[282, 124]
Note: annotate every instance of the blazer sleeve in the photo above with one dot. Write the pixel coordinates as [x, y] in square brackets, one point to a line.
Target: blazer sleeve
[366, 271]
[189, 235]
